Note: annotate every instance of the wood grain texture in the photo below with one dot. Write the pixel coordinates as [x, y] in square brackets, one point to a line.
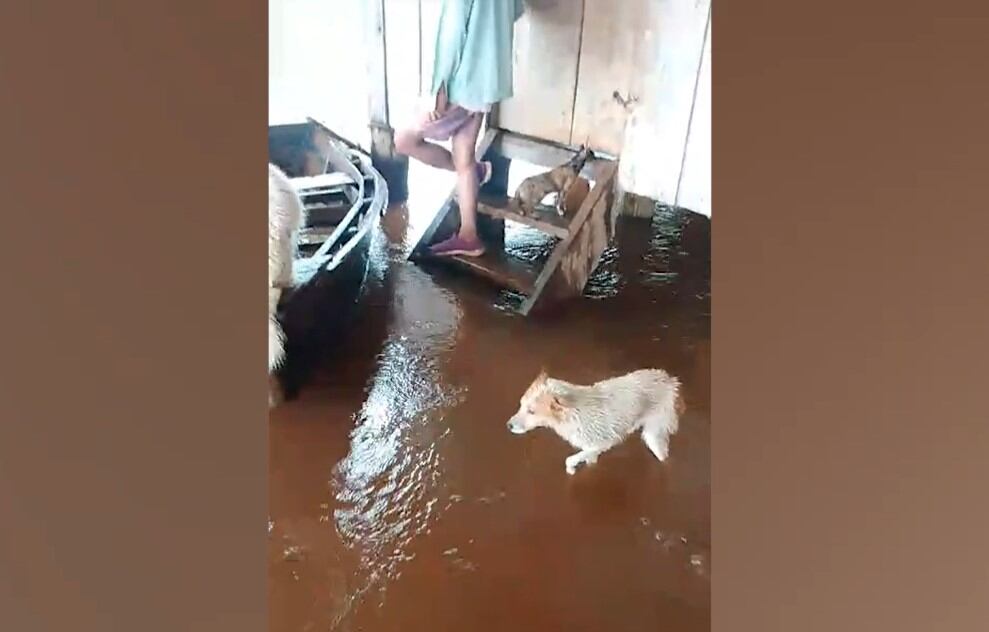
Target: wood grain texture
[614, 57]
[656, 132]
[547, 42]
[377, 63]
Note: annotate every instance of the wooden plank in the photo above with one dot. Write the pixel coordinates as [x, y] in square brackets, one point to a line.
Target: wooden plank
[585, 251]
[377, 62]
[656, 134]
[502, 269]
[546, 221]
[613, 55]
[573, 259]
[315, 48]
[547, 42]
[545, 154]
[694, 190]
[632, 205]
[402, 42]
[426, 238]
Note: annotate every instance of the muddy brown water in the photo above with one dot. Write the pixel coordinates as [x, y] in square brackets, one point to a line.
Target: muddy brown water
[400, 501]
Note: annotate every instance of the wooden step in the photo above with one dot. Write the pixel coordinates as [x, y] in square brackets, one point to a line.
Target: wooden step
[502, 269]
[548, 221]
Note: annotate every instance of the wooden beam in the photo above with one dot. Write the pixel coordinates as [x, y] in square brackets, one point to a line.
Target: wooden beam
[545, 154]
[377, 64]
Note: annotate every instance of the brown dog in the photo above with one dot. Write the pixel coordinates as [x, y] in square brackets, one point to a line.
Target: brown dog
[534, 189]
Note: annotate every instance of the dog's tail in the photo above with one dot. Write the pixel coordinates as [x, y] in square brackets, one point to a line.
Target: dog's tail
[666, 418]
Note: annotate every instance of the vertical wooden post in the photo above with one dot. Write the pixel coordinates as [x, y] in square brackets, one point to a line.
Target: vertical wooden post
[393, 167]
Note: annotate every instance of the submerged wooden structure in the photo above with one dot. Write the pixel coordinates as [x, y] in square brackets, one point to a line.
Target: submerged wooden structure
[582, 234]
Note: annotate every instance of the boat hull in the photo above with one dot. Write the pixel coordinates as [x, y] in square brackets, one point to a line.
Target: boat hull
[331, 275]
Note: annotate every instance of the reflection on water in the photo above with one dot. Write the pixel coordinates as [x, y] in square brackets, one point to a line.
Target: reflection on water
[385, 485]
[400, 502]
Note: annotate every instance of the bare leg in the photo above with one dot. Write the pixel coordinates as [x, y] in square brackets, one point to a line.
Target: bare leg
[411, 143]
[585, 456]
[464, 146]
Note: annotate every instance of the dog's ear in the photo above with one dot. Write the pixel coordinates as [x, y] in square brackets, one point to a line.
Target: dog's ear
[556, 406]
[537, 384]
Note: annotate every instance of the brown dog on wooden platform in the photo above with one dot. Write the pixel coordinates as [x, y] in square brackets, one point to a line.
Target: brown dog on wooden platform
[534, 189]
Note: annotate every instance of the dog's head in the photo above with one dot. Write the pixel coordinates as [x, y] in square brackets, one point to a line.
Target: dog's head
[538, 407]
[583, 154]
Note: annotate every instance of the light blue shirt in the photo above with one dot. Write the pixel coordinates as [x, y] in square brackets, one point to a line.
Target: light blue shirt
[474, 51]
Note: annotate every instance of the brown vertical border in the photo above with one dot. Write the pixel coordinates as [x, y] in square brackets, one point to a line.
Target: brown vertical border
[133, 420]
[851, 332]
[850, 326]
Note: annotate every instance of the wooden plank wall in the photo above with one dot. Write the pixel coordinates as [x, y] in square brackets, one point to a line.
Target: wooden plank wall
[613, 51]
[403, 46]
[694, 191]
[547, 45]
[317, 64]
[655, 137]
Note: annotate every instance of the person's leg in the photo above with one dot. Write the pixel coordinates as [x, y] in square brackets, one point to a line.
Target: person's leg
[464, 146]
[470, 175]
[410, 142]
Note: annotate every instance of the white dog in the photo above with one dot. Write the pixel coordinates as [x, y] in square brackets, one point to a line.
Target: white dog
[598, 417]
[285, 218]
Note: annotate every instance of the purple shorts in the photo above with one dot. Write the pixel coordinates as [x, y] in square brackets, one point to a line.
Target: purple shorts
[448, 124]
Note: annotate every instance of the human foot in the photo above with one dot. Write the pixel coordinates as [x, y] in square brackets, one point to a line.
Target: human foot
[457, 245]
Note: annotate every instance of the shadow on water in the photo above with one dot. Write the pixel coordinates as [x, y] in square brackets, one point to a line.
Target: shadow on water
[399, 501]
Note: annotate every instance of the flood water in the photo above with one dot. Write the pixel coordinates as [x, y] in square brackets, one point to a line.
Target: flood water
[400, 501]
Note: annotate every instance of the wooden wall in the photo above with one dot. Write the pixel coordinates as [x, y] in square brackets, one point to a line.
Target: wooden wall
[627, 77]
[317, 64]
[656, 130]
[694, 191]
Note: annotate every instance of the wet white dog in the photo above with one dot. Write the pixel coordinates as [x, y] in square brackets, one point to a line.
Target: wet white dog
[285, 218]
[598, 417]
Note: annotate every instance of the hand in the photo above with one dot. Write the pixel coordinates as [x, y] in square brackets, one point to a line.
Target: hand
[440, 105]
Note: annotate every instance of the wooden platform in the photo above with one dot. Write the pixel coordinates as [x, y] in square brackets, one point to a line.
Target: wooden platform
[548, 221]
[583, 232]
[502, 269]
